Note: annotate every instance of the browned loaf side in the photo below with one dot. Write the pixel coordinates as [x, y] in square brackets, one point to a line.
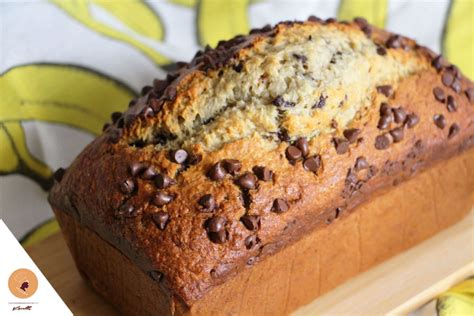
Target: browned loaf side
[262, 141]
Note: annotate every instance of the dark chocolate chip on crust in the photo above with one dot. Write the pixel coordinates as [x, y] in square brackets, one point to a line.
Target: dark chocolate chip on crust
[160, 219]
[280, 206]
[136, 168]
[470, 94]
[439, 120]
[437, 62]
[385, 120]
[251, 222]
[412, 120]
[447, 79]
[453, 130]
[217, 172]
[59, 174]
[162, 198]
[351, 134]
[293, 153]
[302, 145]
[439, 94]
[215, 224]
[312, 163]
[127, 210]
[114, 134]
[386, 90]
[394, 41]
[232, 166]
[451, 104]
[163, 181]
[149, 173]
[456, 86]
[156, 275]
[127, 186]
[341, 145]
[179, 156]
[361, 164]
[382, 142]
[263, 173]
[397, 134]
[399, 115]
[381, 51]
[247, 181]
[207, 203]
[251, 241]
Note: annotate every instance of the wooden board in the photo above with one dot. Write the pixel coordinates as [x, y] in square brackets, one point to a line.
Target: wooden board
[394, 287]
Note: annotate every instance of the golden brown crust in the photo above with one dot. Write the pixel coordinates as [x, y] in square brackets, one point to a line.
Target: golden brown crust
[174, 240]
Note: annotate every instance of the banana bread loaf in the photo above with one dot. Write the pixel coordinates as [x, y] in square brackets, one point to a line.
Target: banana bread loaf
[291, 134]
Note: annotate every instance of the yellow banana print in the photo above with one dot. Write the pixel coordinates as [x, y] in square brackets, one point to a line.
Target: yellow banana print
[375, 11]
[219, 20]
[143, 21]
[458, 301]
[55, 93]
[186, 3]
[458, 44]
[41, 232]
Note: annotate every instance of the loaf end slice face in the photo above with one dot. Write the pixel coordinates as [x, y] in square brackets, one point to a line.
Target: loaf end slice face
[256, 143]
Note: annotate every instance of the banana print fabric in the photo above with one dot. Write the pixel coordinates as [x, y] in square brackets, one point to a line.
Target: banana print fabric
[67, 64]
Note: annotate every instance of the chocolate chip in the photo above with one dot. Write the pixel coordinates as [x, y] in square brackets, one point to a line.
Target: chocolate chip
[470, 95]
[156, 275]
[105, 127]
[218, 237]
[312, 163]
[193, 158]
[293, 153]
[155, 106]
[393, 41]
[283, 135]
[453, 130]
[451, 104]
[160, 85]
[136, 168]
[162, 198]
[447, 79]
[59, 174]
[251, 241]
[207, 202]
[341, 145]
[439, 94]
[301, 58]
[386, 90]
[437, 62]
[215, 224]
[412, 120]
[263, 173]
[160, 219]
[399, 115]
[232, 166]
[313, 18]
[127, 210]
[280, 206]
[361, 164]
[149, 173]
[456, 86]
[251, 222]
[217, 172]
[397, 134]
[280, 102]
[320, 103]
[360, 21]
[439, 120]
[238, 68]
[385, 109]
[179, 156]
[127, 186]
[385, 121]
[382, 142]
[381, 51]
[115, 134]
[163, 181]
[330, 20]
[115, 116]
[351, 134]
[302, 145]
[247, 181]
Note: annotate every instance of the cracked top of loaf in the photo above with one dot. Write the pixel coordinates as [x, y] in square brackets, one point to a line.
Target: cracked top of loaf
[261, 140]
